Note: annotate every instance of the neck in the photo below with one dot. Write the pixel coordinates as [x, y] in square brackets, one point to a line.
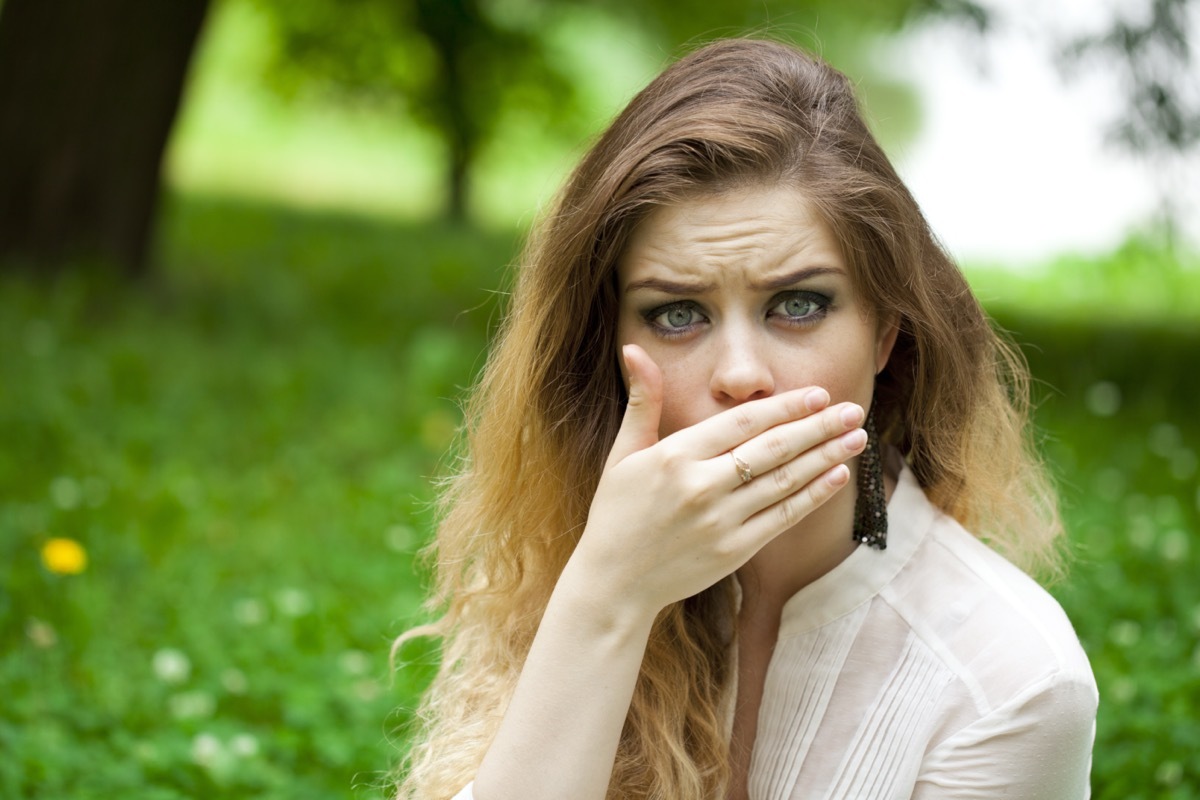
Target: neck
[802, 554]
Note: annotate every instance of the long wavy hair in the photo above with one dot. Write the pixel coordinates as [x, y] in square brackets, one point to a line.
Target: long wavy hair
[539, 424]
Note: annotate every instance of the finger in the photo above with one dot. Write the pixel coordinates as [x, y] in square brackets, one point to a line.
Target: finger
[788, 512]
[775, 486]
[783, 443]
[639, 427]
[723, 432]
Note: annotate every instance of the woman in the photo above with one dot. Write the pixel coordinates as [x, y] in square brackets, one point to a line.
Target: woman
[682, 560]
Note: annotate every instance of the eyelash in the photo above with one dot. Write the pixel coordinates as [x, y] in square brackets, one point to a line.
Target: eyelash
[822, 302]
[668, 332]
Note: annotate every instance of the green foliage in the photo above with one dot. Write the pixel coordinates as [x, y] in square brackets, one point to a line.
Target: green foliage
[245, 448]
[1151, 52]
[1122, 438]
[479, 72]
[261, 120]
[244, 451]
[1145, 279]
[1112, 342]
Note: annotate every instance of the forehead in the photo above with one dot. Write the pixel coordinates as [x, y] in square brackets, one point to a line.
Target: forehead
[753, 232]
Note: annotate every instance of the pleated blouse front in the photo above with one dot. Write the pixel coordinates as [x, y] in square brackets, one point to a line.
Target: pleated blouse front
[932, 669]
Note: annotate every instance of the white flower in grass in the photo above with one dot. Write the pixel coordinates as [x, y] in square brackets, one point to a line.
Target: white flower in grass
[234, 681]
[207, 750]
[1164, 439]
[293, 602]
[400, 538]
[1167, 510]
[1169, 773]
[1103, 398]
[1110, 483]
[367, 689]
[192, 705]
[1183, 464]
[1142, 532]
[66, 492]
[244, 745]
[1125, 633]
[171, 666]
[145, 751]
[354, 662]
[1122, 690]
[41, 633]
[1174, 546]
[249, 612]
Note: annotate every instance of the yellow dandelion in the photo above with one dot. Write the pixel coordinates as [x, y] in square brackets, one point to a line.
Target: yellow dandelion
[64, 556]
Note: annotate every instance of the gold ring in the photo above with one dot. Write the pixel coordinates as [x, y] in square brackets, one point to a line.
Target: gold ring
[743, 469]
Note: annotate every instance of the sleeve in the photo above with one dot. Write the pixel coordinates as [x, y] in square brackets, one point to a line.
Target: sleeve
[467, 792]
[1038, 746]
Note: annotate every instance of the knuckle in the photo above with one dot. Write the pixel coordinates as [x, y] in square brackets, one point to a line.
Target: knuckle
[672, 459]
[834, 452]
[831, 424]
[791, 511]
[725, 548]
[818, 489]
[795, 407]
[695, 491]
[784, 476]
[743, 420]
[706, 521]
[777, 446]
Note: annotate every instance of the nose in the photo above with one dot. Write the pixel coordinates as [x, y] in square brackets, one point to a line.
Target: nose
[741, 370]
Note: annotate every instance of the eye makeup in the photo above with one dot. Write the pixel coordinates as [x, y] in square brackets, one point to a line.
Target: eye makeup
[674, 319]
[799, 307]
[796, 308]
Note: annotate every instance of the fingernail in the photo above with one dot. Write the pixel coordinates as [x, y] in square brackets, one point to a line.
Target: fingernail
[852, 415]
[854, 440]
[816, 399]
[838, 476]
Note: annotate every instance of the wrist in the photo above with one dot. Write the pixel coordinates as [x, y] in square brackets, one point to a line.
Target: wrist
[599, 608]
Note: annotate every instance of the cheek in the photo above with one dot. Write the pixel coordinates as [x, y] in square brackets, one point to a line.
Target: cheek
[847, 374]
[685, 399]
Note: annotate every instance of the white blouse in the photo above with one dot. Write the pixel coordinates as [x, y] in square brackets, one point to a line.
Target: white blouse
[932, 669]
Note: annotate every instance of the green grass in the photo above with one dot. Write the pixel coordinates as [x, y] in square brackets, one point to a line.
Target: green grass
[244, 448]
[1118, 411]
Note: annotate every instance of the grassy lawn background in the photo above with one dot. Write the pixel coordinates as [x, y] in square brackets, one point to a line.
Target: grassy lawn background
[243, 448]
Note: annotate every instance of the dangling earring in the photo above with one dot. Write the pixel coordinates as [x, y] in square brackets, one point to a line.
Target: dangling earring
[870, 508]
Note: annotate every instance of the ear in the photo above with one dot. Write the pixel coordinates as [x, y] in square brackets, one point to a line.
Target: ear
[885, 339]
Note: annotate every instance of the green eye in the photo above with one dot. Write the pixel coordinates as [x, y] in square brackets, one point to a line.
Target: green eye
[799, 307]
[677, 317]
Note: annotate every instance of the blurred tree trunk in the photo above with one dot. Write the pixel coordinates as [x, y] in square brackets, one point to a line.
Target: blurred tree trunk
[88, 92]
[453, 27]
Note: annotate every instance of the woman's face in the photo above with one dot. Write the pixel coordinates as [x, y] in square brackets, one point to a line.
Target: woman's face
[740, 295]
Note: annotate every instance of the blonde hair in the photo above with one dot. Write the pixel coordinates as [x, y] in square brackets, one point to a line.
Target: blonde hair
[953, 399]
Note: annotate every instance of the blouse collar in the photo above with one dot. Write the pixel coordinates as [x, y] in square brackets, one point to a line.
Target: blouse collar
[865, 571]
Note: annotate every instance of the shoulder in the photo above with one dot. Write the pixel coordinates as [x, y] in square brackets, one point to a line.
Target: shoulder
[1000, 633]
[1018, 715]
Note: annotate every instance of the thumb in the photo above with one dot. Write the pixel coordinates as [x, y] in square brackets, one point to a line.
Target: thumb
[639, 428]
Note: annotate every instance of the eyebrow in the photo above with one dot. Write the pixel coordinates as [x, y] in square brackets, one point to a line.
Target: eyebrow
[777, 282]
